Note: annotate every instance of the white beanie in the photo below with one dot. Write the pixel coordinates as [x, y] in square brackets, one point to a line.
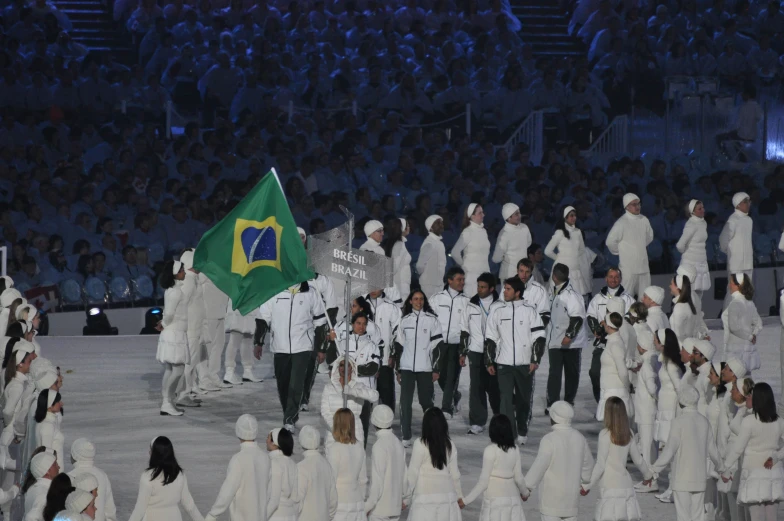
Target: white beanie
[309, 438]
[561, 413]
[46, 380]
[430, 221]
[628, 198]
[301, 232]
[508, 210]
[740, 277]
[9, 282]
[275, 433]
[22, 348]
[86, 482]
[176, 267]
[645, 338]
[687, 270]
[78, 500]
[8, 296]
[737, 367]
[403, 223]
[568, 210]
[470, 210]
[41, 463]
[616, 305]
[382, 416]
[688, 395]
[187, 259]
[692, 204]
[372, 226]
[246, 428]
[39, 366]
[31, 311]
[706, 348]
[740, 384]
[739, 198]
[82, 449]
[655, 293]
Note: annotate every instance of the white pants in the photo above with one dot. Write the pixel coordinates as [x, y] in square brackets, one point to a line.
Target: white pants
[647, 445]
[171, 377]
[764, 512]
[689, 506]
[244, 344]
[553, 518]
[194, 369]
[635, 283]
[214, 338]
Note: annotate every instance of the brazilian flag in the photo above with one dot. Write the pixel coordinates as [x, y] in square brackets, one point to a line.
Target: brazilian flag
[254, 252]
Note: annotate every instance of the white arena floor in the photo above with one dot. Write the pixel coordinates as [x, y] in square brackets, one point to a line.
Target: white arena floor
[112, 393]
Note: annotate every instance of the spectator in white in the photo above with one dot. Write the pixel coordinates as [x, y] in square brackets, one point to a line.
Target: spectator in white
[741, 323]
[568, 240]
[470, 252]
[748, 118]
[549, 93]
[614, 374]
[629, 237]
[512, 243]
[388, 469]
[431, 262]
[653, 297]
[735, 238]
[83, 459]
[374, 232]
[691, 245]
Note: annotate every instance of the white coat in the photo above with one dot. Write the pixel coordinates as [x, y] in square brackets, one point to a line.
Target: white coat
[758, 441]
[502, 483]
[646, 390]
[373, 247]
[317, 496]
[735, 242]
[474, 320]
[173, 341]
[401, 261]
[657, 319]
[386, 316]
[741, 323]
[683, 322]
[387, 476]
[104, 503]
[514, 327]
[12, 402]
[538, 297]
[292, 318]
[449, 306]
[419, 334]
[667, 406]
[691, 245]
[629, 237]
[283, 494]
[432, 493]
[570, 253]
[49, 435]
[215, 301]
[431, 264]
[350, 472]
[35, 500]
[332, 398]
[614, 376]
[510, 247]
[566, 303]
[729, 428]
[247, 485]
[563, 462]
[157, 502]
[195, 292]
[471, 252]
[239, 323]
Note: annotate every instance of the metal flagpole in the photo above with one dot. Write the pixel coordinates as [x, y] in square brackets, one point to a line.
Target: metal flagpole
[347, 303]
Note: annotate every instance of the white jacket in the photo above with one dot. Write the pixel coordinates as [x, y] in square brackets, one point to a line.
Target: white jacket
[756, 441]
[292, 319]
[386, 316]
[317, 497]
[431, 264]
[49, 435]
[657, 319]
[326, 289]
[501, 476]
[566, 305]
[471, 251]
[510, 247]
[246, 487]
[283, 494]
[401, 260]
[423, 479]
[570, 253]
[473, 323]
[705, 389]
[349, 470]
[175, 308]
[215, 301]
[646, 390]
[735, 241]
[450, 306]
[332, 397]
[629, 237]
[683, 322]
[104, 503]
[563, 462]
[35, 500]
[194, 292]
[364, 351]
[417, 338]
[692, 241]
[610, 470]
[741, 322]
[374, 247]
[537, 296]
[387, 475]
[597, 310]
[689, 445]
[12, 401]
[159, 502]
[514, 327]
[614, 374]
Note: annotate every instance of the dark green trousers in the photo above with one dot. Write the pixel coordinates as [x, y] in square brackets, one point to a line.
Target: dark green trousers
[449, 376]
[364, 418]
[566, 363]
[424, 387]
[516, 385]
[483, 386]
[595, 372]
[385, 385]
[310, 377]
[290, 375]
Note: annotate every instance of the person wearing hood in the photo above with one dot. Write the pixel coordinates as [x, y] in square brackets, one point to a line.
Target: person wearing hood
[735, 239]
[563, 462]
[374, 231]
[741, 322]
[629, 238]
[684, 320]
[568, 241]
[83, 460]
[213, 335]
[470, 252]
[317, 494]
[645, 397]
[347, 458]
[298, 322]
[282, 498]
[193, 372]
[614, 374]
[691, 245]
[354, 387]
[431, 263]
[43, 468]
[652, 298]
[566, 336]
[512, 242]
[173, 350]
[248, 478]
[49, 418]
[387, 471]
[473, 323]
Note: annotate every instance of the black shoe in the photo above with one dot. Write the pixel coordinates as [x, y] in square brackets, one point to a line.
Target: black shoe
[547, 412]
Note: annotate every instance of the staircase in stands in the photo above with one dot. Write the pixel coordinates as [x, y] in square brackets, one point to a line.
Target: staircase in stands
[545, 27]
[94, 27]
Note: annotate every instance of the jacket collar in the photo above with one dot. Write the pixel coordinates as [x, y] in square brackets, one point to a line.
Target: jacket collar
[475, 299]
[431, 235]
[560, 289]
[618, 291]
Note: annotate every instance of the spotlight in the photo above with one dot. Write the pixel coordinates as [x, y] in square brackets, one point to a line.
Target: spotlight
[98, 323]
[151, 319]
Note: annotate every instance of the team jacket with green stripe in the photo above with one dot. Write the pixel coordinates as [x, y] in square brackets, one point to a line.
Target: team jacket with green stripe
[473, 324]
[297, 322]
[417, 342]
[449, 305]
[514, 335]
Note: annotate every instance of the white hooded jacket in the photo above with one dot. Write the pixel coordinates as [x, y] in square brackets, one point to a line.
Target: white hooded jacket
[247, 485]
[735, 241]
[510, 247]
[629, 237]
[357, 392]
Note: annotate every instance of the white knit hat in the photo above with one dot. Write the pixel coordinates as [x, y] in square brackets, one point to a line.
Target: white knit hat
[688, 395]
[688, 344]
[568, 210]
[8, 296]
[31, 311]
[706, 348]
[740, 277]
[275, 433]
[508, 210]
[45, 380]
[403, 223]
[176, 267]
[692, 204]
[739, 198]
[561, 413]
[86, 482]
[628, 198]
[9, 282]
[740, 383]
[382, 416]
[470, 210]
[78, 500]
[372, 226]
[655, 293]
[616, 305]
[41, 463]
[246, 428]
[737, 367]
[39, 366]
[301, 232]
[687, 270]
[22, 348]
[187, 259]
[645, 338]
[82, 449]
[430, 221]
[309, 438]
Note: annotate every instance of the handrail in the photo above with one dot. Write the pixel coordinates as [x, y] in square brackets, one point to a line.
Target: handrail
[530, 131]
[614, 140]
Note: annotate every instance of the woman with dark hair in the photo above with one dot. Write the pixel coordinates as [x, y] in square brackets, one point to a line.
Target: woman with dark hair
[173, 343]
[761, 445]
[282, 500]
[741, 323]
[48, 417]
[502, 478]
[614, 376]
[55, 498]
[472, 250]
[691, 245]
[394, 245]
[163, 487]
[568, 241]
[433, 477]
[684, 320]
[347, 458]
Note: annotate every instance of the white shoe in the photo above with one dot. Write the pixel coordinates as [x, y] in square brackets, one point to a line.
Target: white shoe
[665, 497]
[406, 444]
[323, 368]
[248, 376]
[448, 416]
[303, 407]
[197, 389]
[643, 489]
[232, 378]
[476, 429]
[6, 462]
[522, 440]
[290, 427]
[224, 385]
[168, 409]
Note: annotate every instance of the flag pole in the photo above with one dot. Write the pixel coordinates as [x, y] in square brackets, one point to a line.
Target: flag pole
[275, 173]
[346, 356]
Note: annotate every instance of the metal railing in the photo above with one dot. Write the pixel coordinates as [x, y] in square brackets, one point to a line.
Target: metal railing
[613, 141]
[530, 132]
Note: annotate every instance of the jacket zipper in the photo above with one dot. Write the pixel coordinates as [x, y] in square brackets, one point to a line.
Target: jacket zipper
[449, 322]
[416, 334]
[291, 312]
[514, 346]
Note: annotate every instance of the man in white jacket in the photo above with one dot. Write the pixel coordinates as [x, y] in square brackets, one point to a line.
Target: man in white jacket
[629, 237]
[247, 485]
[83, 459]
[563, 462]
[317, 494]
[735, 239]
[534, 294]
[431, 262]
[512, 243]
[689, 445]
[213, 334]
[387, 470]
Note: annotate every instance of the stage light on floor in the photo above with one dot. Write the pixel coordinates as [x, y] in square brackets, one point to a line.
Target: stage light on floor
[97, 323]
[151, 319]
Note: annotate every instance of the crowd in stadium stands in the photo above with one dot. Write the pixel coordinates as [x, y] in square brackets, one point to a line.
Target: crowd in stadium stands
[91, 187]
